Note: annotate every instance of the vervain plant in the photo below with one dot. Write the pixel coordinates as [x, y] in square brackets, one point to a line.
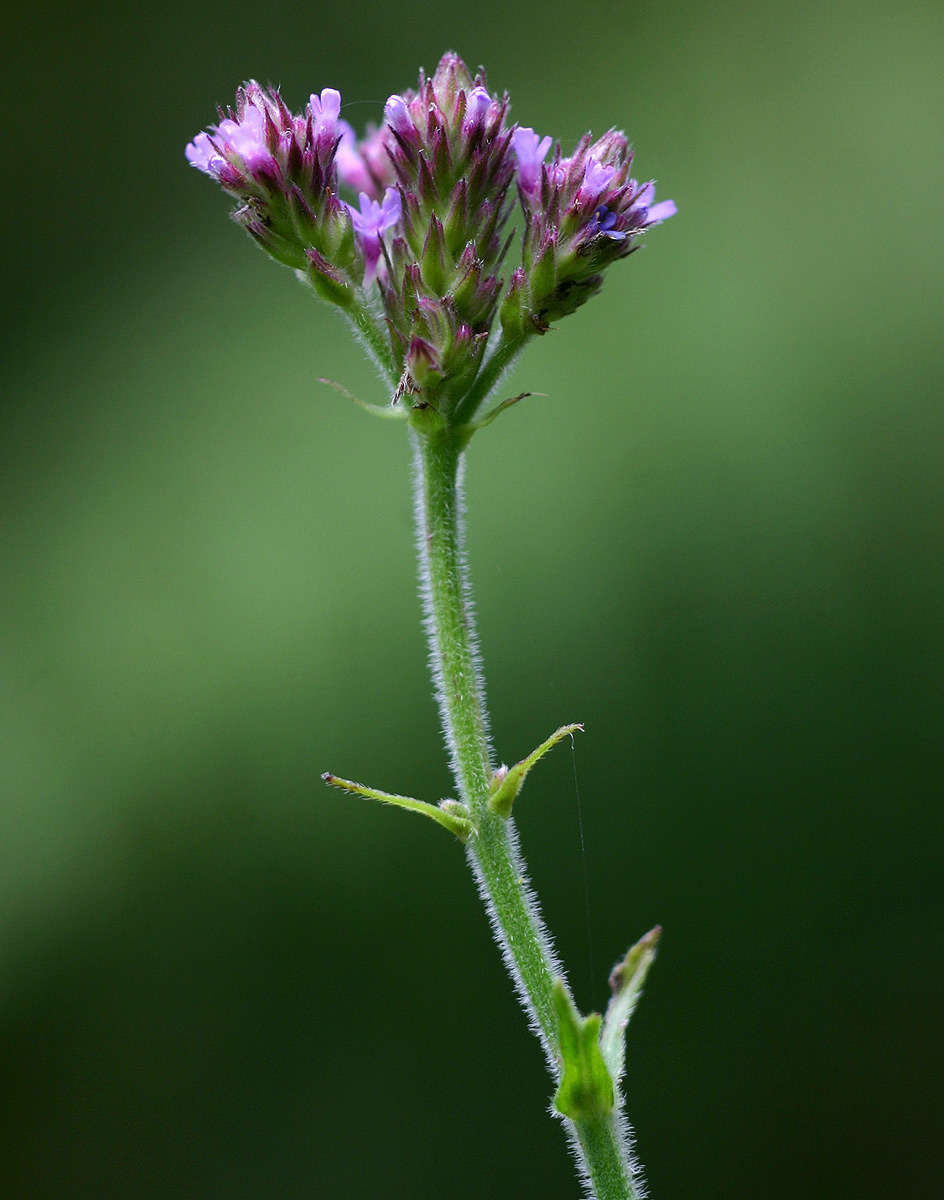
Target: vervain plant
[415, 267]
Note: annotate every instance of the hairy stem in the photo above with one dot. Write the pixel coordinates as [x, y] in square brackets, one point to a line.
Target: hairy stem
[600, 1144]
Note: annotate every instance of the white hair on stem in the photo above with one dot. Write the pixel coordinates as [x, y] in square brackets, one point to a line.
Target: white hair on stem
[429, 611]
[466, 681]
[501, 938]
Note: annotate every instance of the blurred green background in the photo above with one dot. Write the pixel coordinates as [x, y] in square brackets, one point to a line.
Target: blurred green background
[717, 541]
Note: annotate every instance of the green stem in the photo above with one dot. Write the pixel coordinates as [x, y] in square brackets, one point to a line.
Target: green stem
[605, 1150]
[600, 1144]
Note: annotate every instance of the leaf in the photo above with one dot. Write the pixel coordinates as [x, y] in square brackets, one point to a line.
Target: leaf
[586, 1086]
[626, 981]
[450, 813]
[507, 782]
[500, 408]
[388, 412]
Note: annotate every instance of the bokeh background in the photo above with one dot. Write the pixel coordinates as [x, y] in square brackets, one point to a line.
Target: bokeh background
[717, 541]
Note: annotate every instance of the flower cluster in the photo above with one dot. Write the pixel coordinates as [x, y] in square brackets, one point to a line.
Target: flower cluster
[281, 169]
[582, 213]
[421, 253]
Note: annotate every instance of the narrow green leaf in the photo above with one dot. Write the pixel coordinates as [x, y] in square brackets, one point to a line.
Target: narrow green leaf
[389, 412]
[626, 981]
[450, 814]
[507, 782]
[500, 408]
[586, 1087]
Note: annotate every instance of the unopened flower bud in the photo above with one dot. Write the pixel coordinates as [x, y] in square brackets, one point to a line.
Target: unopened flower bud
[397, 116]
[477, 105]
[422, 362]
[451, 77]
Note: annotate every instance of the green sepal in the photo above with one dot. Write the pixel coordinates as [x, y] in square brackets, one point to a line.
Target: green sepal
[450, 813]
[507, 782]
[543, 278]
[512, 312]
[434, 264]
[586, 1086]
[329, 283]
[626, 981]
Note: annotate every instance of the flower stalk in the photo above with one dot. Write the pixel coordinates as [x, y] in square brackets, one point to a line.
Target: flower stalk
[599, 1138]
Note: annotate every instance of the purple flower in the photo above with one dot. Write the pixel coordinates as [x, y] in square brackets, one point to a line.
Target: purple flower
[324, 113]
[247, 136]
[371, 223]
[430, 225]
[662, 211]
[597, 177]
[244, 137]
[202, 155]
[530, 151]
[602, 222]
[644, 213]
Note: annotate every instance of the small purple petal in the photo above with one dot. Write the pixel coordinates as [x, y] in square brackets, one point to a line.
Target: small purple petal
[605, 217]
[646, 196]
[201, 154]
[373, 218]
[246, 137]
[324, 111]
[391, 207]
[602, 222]
[662, 211]
[371, 222]
[530, 151]
[330, 103]
[596, 177]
